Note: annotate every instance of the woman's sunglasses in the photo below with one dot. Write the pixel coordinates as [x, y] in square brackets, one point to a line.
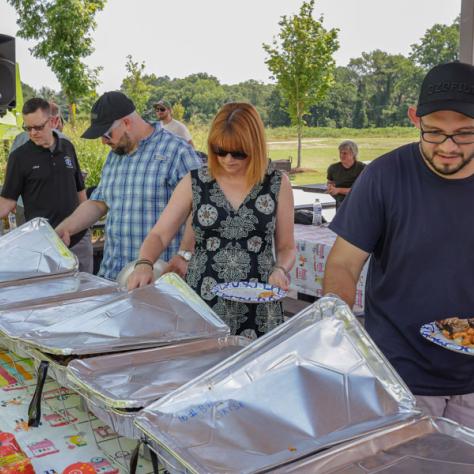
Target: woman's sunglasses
[160, 109]
[237, 155]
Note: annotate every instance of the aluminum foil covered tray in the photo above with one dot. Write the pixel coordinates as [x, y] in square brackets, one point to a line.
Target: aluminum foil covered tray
[53, 289]
[15, 322]
[168, 311]
[32, 250]
[424, 445]
[135, 379]
[315, 381]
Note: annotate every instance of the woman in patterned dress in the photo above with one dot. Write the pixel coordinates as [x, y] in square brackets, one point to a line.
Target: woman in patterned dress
[242, 213]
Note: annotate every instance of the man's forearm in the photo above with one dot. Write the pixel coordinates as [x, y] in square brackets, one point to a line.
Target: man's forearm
[86, 214]
[340, 281]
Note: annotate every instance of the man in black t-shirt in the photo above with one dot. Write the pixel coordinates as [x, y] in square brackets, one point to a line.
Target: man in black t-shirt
[410, 210]
[45, 172]
[341, 176]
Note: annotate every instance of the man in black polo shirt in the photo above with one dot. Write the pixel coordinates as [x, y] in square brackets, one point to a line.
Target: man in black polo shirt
[342, 175]
[46, 174]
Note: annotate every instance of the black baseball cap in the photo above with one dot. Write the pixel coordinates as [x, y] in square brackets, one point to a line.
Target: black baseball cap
[448, 86]
[110, 107]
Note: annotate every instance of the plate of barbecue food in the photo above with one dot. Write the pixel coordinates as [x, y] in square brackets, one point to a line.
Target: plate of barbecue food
[249, 291]
[455, 334]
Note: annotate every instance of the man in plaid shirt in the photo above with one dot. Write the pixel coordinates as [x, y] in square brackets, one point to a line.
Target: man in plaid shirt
[144, 165]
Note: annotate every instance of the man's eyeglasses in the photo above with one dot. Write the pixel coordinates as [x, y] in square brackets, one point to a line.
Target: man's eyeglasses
[108, 134]
[36, 128]
[237, 155]
[462, 138]
[160, 109]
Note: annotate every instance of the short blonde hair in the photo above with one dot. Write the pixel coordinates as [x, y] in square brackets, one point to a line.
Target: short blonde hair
[238, 127]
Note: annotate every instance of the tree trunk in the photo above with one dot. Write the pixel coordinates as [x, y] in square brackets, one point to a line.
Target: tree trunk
[72, 114]
[299, 130]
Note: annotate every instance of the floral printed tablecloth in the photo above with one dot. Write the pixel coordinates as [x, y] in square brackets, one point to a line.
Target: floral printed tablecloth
[67, 435]
[313, 244]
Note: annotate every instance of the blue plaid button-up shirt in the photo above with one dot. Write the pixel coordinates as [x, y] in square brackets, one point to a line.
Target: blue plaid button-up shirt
[136, 188]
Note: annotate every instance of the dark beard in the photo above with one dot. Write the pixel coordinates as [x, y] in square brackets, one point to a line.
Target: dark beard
[124, 146]
[445, 169]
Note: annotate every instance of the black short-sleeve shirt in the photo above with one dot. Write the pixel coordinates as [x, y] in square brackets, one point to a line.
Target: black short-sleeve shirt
[48, 181]
[344, 177]
[420, 232]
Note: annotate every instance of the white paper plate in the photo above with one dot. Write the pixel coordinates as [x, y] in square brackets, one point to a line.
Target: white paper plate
[432, 332]
[249, 291]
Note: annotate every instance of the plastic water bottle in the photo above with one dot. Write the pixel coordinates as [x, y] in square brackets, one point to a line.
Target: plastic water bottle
[12, 220]
[317, 212]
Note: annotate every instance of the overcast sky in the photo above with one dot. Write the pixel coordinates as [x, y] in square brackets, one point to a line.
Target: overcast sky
[224, 37]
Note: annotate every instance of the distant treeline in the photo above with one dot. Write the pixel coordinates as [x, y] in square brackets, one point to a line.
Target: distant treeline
[373, 90]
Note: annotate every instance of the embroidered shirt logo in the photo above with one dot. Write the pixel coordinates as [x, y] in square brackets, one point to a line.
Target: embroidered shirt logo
[68, 162]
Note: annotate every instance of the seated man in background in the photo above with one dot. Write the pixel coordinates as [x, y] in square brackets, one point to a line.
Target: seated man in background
[164, 113]
[45, 172]
[341, 176]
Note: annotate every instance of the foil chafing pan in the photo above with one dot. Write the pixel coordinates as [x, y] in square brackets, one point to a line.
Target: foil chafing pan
[116, 387]
[135, 379]
[53, 289]
[166, 312]
[34, 249]
[316, 381]
[426, 445]
[15, 322]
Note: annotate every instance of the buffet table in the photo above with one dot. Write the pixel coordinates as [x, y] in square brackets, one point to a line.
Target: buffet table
[313, 245]
[158, 366]
[67, 435]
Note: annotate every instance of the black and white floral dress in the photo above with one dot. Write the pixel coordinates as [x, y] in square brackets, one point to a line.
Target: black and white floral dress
[235, 245]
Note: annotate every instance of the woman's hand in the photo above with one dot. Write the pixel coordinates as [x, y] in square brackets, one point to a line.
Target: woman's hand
[279, 278]
[142, 275]
[177, 265]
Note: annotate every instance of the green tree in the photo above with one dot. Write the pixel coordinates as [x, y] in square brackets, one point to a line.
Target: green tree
[277, 109]
[360, 119]
[301, 61]
[387, 84]
[62, 30]
[178, 111]
[28, 91]
[440, 44]
[337, 109]
[255, 92]
[135, 86]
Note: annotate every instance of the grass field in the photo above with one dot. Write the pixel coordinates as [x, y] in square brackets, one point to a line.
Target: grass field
[318, 154]
[319, 148]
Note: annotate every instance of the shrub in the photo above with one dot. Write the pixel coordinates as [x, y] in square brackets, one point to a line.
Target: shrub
[91, 153]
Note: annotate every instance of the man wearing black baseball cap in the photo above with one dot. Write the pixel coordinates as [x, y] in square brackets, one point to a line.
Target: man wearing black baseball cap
[410, 211]
[110, 107]
[143, 167]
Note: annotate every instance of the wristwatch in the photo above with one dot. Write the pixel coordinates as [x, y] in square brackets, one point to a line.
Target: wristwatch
[185, 254]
